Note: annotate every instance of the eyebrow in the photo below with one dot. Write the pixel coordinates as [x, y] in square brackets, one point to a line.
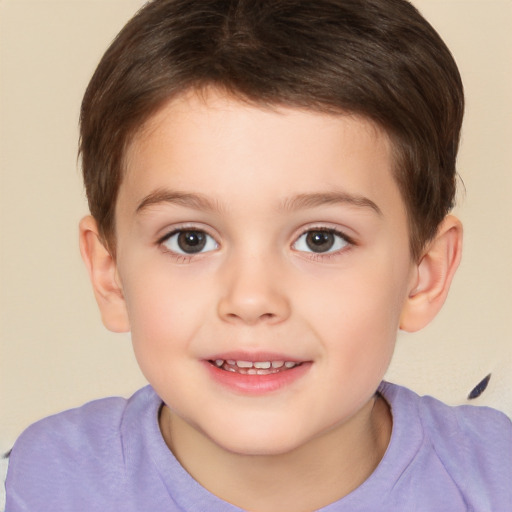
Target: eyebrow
[201, 202]
[324, 198]
[189, 200]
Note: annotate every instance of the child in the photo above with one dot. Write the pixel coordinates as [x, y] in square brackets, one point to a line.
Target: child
[270, 184]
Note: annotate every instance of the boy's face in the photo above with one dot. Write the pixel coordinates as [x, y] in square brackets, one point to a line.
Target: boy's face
[268, 237]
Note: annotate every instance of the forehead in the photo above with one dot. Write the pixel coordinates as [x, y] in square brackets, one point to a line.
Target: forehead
[196, 111]
[219, 144]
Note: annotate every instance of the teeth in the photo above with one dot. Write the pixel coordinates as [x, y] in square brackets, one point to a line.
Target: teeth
[263, 365]
[254, 367]
[244, 364]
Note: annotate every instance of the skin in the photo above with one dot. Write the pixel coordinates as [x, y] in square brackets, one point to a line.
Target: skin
[257, 181]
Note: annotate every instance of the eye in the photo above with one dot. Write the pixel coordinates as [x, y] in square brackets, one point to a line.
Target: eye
[189, 241]
[321, 241]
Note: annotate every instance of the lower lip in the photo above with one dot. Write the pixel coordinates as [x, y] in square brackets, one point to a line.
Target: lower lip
[257, 384]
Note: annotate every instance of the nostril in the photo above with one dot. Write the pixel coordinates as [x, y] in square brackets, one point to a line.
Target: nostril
[248, 318]
[253, 301]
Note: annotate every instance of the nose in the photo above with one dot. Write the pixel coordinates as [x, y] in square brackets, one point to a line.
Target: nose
[252, 293]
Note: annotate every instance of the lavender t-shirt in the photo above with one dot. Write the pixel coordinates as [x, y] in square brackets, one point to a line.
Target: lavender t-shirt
[109, 455]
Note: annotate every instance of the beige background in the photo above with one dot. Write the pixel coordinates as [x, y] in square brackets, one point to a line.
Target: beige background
[54, 352]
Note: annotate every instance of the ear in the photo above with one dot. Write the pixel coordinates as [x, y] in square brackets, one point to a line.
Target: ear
[104, 277]
[433, 276]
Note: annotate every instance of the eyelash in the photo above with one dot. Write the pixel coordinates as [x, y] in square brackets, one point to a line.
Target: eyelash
[316, 256]
[183, 257]
[187, 257]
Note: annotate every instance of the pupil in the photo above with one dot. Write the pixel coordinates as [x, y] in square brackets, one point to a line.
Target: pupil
[320, 241]
[191, 241]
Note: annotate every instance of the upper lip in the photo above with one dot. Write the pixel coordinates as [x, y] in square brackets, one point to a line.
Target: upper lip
[254, 357]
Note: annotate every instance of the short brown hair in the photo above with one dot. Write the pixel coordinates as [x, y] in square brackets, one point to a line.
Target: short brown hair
[377, 58]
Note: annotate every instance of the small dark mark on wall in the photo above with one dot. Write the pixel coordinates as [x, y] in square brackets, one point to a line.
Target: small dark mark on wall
[479, 388]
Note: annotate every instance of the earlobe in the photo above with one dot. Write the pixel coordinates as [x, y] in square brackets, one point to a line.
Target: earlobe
[104, 278]
[433, 276]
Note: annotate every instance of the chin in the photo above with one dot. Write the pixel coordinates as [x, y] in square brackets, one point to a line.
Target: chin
[257, 448]
[258, 442]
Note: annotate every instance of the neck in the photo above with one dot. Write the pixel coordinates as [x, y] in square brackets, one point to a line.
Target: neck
[320, 472]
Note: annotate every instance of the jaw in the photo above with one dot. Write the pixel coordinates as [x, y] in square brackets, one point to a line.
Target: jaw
[293, 477]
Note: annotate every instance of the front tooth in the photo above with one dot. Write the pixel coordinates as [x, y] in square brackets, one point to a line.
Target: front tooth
[289, 364]
[244, 364]
[219, 362]
[262, 365]
[277, 364]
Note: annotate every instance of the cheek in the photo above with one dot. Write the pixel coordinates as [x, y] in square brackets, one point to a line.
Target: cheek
[170, 312]
[359, 314]
[163, 313]
[364, 299]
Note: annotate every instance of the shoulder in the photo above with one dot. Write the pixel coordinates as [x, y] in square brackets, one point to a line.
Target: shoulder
[473, 424]
[484, 433]
[64, 453]
[81, 428]
[473, 444]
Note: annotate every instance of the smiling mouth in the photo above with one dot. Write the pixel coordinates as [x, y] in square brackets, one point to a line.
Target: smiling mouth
[254, 367]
